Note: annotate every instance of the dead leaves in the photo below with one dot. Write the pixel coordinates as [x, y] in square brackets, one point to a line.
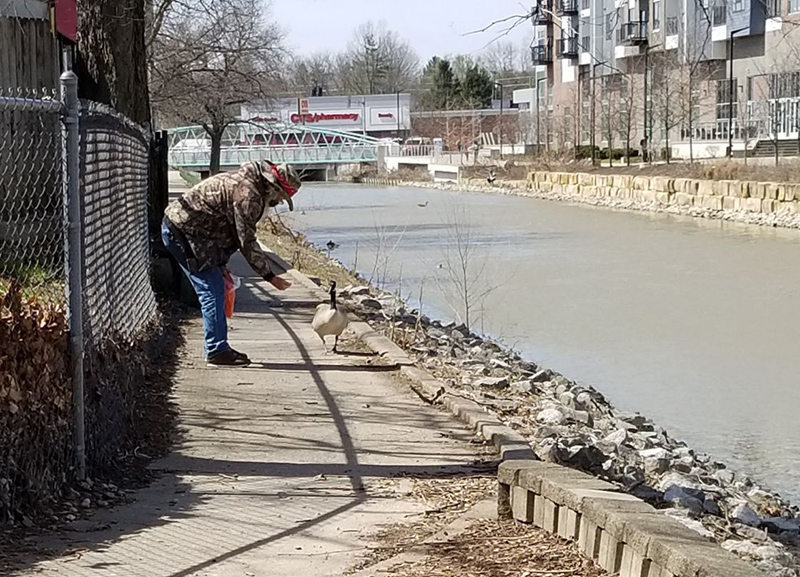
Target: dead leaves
[34, 396]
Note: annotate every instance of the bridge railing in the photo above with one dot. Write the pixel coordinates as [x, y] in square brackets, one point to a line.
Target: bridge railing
[421, 150]
[247, 141]
[234, 156]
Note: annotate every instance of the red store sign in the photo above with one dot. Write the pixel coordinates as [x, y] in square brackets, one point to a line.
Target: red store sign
[312, 117]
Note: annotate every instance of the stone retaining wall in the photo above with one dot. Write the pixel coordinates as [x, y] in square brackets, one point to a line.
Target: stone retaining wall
[622, 533]
[733, 195]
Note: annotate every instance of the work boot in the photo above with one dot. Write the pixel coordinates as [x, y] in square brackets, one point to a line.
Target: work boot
[241, 355]
[228, 358]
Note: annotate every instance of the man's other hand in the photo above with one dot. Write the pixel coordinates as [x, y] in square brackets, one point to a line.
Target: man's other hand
[280, 283]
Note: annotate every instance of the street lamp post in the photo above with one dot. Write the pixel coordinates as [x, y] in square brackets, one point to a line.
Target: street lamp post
[500, 132]
[731, 91]
[647, 119]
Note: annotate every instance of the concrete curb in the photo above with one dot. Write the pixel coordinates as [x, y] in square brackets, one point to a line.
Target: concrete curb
[622, 533]
[509, 443]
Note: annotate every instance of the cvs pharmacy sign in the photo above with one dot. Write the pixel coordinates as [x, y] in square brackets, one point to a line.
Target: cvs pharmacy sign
[313, 117]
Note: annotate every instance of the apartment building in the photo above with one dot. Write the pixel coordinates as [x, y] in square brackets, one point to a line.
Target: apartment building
[691, 76]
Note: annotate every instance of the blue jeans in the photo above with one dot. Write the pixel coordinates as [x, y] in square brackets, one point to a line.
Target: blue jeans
[210, 288]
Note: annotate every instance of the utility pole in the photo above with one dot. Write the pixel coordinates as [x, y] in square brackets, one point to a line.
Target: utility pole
[398, 113]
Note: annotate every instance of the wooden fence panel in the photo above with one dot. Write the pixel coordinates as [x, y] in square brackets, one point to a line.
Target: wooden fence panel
[29, 55]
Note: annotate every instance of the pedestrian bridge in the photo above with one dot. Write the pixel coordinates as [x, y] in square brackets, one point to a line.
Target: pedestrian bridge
[190, 146]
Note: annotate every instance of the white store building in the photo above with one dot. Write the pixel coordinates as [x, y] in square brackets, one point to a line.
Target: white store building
[378, 115]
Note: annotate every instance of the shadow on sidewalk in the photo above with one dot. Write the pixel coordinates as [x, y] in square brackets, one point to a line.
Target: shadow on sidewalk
[170, 501]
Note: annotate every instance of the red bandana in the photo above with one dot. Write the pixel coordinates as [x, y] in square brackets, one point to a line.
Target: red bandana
[290, 190]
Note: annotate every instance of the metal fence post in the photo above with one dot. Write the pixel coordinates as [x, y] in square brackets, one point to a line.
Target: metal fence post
[73, 261]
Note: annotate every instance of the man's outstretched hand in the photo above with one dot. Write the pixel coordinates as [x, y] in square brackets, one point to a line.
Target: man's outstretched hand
[280, 283]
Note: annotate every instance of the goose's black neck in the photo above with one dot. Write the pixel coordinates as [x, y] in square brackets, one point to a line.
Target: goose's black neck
[333, 297]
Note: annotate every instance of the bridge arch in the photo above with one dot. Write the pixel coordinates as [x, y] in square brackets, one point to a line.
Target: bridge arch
[190, 146]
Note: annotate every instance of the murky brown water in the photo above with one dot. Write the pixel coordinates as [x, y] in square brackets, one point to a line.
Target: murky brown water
[695, 323]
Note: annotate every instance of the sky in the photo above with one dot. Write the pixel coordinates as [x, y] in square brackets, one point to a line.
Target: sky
[432, 27]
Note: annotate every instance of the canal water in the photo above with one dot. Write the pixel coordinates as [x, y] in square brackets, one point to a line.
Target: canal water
[695, 323]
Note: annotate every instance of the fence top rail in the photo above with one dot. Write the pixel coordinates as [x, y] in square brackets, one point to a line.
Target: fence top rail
[22, 103]
[92, 107]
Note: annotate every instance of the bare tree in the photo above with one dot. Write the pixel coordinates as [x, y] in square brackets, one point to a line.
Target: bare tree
[377, 61]
[462, 281]
[502, 60]
[210, 57]
[668, 97]
[627, 109]
[316, 71]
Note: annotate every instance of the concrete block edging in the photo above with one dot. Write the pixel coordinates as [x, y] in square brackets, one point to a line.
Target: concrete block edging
[621, 533]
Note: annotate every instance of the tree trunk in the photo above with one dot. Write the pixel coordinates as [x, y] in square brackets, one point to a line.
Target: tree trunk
[216, 150]
[112, 61]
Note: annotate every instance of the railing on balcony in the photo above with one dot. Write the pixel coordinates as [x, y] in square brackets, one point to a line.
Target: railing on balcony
[568, 47]
[672, 26]
[719, 130]
[565, 7]
[633, 33]
[542, 53]
[543, 11]
[719, 15]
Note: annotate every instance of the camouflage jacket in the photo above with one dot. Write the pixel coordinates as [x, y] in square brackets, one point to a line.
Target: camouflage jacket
[219, 217]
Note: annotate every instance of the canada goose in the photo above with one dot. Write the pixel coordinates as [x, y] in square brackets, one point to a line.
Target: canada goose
[329, 319]
[331, 245]
[422, 204]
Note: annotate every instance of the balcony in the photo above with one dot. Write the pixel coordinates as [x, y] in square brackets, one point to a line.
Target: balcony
[542, 53]
[719, 14]
[568, 47]
[633, 33]
[543, 12]
[566, 7]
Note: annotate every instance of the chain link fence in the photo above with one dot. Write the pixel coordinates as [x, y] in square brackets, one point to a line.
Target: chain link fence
[117, 300]
[31, 203]
[77, 309]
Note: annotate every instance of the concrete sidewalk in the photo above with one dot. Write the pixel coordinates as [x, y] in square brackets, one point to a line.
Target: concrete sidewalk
[281, 466]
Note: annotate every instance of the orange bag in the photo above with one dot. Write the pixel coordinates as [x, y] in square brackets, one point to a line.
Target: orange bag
[232, 282]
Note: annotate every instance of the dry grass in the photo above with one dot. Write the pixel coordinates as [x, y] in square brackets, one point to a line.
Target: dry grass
[303, 256]
[787, 171]
[490, 548]
[444, 499]
[411, 174]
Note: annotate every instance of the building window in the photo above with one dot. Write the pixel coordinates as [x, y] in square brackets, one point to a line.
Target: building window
[610, 24]
[784, 85]
[724, 99]
[772, 8]
[585, 4]
[656, 15]
[738, 5]
[672, 25]
[794, 6]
